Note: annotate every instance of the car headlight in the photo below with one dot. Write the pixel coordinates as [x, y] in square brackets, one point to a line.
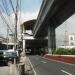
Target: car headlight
[5, 56]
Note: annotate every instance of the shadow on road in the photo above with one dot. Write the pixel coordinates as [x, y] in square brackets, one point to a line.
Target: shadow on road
[2, 64]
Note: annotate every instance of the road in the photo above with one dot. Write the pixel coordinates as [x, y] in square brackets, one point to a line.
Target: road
[48, 67]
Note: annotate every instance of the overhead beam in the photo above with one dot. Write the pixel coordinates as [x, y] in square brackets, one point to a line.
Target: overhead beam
[54, 12]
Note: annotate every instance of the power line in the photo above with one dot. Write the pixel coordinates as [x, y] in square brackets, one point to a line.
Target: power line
[4, 20]
[5, 5]
[8, 11]
[2, 8]
[5, 9]
[11, 4]
[15, 11]
[4, 2]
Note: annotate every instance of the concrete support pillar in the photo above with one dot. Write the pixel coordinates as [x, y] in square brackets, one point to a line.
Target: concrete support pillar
[51, 38]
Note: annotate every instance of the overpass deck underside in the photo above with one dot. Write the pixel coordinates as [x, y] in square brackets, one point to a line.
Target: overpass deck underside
[36, 43]
[53, 13]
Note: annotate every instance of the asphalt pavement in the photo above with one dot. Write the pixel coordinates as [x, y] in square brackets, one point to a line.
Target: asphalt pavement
[48, 67]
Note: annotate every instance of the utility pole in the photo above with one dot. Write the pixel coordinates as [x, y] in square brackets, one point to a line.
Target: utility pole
[16, 20]
[7, 36]
[65, 34]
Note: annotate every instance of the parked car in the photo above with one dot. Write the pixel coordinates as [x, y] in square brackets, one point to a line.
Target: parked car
[2, 58]
[10, 56]
[6, 56]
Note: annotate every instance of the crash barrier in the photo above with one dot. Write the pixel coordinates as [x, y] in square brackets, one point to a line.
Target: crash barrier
[30, 70]
[21, 68]
[26, 68]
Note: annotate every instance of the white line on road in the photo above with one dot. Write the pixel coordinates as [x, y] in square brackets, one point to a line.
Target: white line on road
[66, 72]
[32, 67]
[43, 62]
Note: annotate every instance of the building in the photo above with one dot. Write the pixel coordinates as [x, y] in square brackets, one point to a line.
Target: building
[29, 42]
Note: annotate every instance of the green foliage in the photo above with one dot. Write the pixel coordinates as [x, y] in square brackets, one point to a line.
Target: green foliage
[46, 50]
[59, 51]
[43, 51]
[53, 51]
[62, 51]
[73, 51]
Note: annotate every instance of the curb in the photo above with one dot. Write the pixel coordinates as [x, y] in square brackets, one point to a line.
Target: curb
[61, 59]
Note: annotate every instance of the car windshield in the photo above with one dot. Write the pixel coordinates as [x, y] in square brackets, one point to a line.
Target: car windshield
[12, 54]
[10, 46]
[3, 47]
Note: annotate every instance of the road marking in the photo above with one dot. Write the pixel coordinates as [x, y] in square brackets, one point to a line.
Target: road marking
[66, 72]
[43, 62]
[32, 67]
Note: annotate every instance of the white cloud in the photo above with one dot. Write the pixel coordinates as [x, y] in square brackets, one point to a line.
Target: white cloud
[11, 20]
[24, 16]
[29, 16]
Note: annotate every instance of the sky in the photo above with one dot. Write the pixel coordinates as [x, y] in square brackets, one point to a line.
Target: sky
[29, 10]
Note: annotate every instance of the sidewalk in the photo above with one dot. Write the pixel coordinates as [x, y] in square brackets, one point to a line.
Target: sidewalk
[13, 69]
